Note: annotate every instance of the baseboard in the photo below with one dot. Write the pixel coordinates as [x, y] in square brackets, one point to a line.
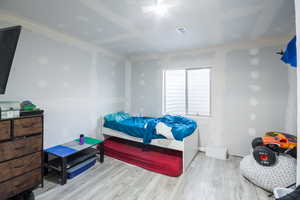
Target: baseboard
[215, 152]
[202, 149]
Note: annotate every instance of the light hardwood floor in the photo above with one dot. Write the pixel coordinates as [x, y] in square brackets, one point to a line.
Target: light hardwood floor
[206, 179]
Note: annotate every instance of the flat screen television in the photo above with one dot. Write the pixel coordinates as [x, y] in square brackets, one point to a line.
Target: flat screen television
[8, 43]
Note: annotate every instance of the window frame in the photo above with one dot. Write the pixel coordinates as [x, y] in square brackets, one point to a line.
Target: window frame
[186, 90]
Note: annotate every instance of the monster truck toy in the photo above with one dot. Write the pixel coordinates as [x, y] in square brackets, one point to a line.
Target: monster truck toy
[266, 148]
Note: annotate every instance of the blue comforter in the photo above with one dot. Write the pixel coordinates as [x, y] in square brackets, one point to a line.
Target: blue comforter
[144, 127]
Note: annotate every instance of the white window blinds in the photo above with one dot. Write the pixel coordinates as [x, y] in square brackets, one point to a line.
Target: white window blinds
[198, 92]
[187, 92]
[175, 100]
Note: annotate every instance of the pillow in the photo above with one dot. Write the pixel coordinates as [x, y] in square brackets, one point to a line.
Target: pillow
[117, 117]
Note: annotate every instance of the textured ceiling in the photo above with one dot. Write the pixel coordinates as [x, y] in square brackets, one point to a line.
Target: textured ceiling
[121, 26]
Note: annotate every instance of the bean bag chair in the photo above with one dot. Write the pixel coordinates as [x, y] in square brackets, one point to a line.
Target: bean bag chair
[282, 174]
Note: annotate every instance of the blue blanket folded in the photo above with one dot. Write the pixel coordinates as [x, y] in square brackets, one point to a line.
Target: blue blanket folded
[181, 127]
[144, 127]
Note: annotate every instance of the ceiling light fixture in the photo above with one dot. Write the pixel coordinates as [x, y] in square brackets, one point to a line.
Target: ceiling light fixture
[159, 8]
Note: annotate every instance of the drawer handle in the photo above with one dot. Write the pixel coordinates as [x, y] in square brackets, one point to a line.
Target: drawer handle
[19, 166]
[20, 148]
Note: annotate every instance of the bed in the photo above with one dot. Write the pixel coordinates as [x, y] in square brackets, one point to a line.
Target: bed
[188, 145]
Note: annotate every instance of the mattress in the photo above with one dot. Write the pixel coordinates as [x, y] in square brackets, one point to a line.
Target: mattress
[156, 159]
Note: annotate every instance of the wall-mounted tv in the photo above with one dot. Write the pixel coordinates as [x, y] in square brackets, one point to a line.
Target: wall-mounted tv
[8, 43]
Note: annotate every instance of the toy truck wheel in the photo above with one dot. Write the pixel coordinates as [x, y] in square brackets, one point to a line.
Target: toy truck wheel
[257, 142]
[293, 152]
[264, 156]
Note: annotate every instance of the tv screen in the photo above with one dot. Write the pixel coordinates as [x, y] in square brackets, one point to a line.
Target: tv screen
[8, 43]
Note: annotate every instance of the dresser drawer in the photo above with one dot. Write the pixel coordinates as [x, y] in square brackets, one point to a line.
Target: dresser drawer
[20, 147]
[19, 166]
[20, 184]
[28, 126]
[5, 130]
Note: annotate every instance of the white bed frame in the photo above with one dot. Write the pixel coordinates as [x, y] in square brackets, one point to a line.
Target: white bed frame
[189, 146]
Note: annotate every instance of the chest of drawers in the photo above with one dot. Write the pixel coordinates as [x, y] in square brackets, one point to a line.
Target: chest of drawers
[21, 158]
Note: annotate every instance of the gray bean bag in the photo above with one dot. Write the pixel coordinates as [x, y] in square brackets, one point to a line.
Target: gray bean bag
[282, 174]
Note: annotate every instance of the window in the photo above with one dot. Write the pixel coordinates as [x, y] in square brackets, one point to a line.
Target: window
[187, 92]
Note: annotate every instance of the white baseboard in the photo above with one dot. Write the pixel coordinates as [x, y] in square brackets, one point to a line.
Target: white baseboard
[202, 149]
[215, 152]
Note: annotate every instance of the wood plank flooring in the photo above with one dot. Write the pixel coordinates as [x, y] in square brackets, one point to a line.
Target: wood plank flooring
[206, 179]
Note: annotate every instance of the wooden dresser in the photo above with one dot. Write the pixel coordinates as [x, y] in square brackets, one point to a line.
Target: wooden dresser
[21, 157]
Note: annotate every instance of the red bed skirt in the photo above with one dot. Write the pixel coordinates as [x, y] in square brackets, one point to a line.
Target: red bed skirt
[156, 159]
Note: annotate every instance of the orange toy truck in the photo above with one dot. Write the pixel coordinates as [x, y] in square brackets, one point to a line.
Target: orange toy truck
[266, 148]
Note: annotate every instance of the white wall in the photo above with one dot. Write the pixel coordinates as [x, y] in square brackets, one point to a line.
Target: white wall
[73, 86]
[252, 92]
[297, 8]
